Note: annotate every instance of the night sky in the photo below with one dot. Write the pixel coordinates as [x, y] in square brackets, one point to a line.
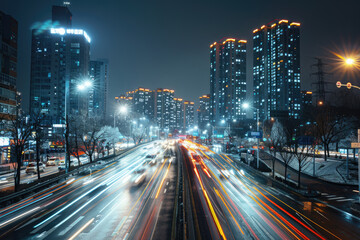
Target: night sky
[166, 43]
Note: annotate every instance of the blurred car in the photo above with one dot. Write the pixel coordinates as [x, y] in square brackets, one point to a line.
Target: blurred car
[150, 156]
[138, 177]
[53, 161]
[196, 157]
[61, 166]
[224, 174]
[32, 169]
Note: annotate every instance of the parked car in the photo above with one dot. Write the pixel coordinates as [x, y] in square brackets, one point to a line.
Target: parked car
[32, 169]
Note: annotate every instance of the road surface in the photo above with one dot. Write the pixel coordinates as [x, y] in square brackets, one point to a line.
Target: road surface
[107, 204]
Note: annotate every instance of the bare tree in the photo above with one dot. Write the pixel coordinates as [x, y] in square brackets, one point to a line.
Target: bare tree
[109, 137]
[283, 144]
[90, 135]
[329, 127]
[302, 153]
[75, 130]
[20, 129]
[39, 136]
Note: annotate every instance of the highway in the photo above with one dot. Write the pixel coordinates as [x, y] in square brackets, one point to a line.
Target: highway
[130, 198]
[228, 202]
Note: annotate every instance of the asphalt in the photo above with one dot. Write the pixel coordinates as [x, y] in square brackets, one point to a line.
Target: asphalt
[241, 205]
[104, 205]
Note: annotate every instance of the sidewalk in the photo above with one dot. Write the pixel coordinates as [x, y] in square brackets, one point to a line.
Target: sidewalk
[333, 171]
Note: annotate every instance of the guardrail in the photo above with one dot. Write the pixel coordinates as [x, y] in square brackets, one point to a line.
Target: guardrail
[13, 197]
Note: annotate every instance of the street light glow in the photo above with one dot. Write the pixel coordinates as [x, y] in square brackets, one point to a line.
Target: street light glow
[84, 85]
[246, 105]
[123, 109]
[349, 61]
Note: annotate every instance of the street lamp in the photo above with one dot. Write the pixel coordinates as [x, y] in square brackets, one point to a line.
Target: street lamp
[349, 61]
[80, 87]
[122, 110]
[247, 106]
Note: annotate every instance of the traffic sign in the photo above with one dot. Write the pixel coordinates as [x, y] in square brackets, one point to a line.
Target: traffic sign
[355, 145]
[338, 84]
[348, 85]
[256, 134]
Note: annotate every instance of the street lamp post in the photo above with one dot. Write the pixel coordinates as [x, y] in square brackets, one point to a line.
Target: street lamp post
[352, 63]
[246, 106]
[83, 86]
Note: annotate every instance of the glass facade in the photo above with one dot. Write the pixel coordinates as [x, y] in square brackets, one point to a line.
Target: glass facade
[204, 111]
[227, 80]
[99, 74]
[276, 70]
[8, 67]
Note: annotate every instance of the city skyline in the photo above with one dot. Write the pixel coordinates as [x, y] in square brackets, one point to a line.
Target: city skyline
[315, 40]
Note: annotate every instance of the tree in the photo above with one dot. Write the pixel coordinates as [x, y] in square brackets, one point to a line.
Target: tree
[74, 144]
[20, 129]
[330, 127]
[39, 135]
[302, 153]
[90, 135]
[109, 137]
[283, 144]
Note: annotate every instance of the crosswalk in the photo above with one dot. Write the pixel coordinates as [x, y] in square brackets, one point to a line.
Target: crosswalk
[336, 198]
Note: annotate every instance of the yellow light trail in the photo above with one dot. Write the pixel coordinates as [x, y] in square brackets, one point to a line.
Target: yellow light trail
[216, 220]
[162, 181]
[222, 199]
[81, 229]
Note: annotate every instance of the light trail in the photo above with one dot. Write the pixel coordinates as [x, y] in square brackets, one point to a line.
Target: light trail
[162, 182]
[222, 199]
[81, 229]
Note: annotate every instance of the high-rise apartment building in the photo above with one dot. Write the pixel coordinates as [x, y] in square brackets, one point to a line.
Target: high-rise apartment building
[276, 69]
[143, 102]
[227, 80]
[59, 63]
[99, 74]
[8, 66]
[164, 109]
[204, 111]
[178, 113]
[189, 114]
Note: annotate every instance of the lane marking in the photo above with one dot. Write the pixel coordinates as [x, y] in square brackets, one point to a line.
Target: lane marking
[344, 200]
[262, 228]
[335, 198]
[44, 225]
[330, 196]
[71, 226]
[81, 229]
[321, 214]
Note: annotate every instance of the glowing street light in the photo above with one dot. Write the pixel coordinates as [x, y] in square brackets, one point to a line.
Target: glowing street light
[84, 85]
[246, 106]
[349, 61]
[123, 109]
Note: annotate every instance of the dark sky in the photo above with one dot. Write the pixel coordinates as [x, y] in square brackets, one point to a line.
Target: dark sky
[166, 43]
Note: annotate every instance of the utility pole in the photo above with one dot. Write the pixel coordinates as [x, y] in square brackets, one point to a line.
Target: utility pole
[320, 83]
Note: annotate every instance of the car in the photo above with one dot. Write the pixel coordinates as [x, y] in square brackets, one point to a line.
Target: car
[32, 168]
[53, 161]
[61, 167]
[138, 177]
[150, 156]
[224, 174]
[196, 157]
